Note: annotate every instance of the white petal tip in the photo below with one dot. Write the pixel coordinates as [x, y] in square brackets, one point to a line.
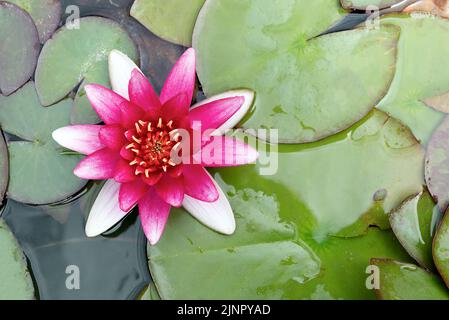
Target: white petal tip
[120, 68]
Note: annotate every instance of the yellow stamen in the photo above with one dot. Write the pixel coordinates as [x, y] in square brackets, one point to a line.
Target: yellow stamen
[139, 141]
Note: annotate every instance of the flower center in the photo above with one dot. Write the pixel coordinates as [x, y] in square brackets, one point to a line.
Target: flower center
[152, 144]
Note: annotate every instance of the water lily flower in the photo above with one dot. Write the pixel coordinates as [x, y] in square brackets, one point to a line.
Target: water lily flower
[134, 148]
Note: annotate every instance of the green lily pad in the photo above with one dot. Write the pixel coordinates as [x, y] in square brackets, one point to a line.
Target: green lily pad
[296, 217]
[441, 249]
[45, 13]
[403, 281]
[310, 87]
[364, 4]
[418, 76]
[414, 224]
[172, 20]
[14, 276]
[19, 47]
[75, 56]
[39, 172]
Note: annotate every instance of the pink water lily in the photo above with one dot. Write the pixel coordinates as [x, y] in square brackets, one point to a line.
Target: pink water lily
[134, 148]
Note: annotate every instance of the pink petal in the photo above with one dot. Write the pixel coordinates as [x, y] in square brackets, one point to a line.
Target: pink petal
[80, 138]
[152, 179]
[198, 183]
[130, 193]
[248, 95]
[171, 190]
[131, 114]
[141, 93]
[153, 212]
[106, 103]
[181, 79]
[105, 212]
[112, 136]
[213, 114]
[100, 165]
[124, 172]
[127, 154]
[175, 171]
[225, 151]
[176, 109]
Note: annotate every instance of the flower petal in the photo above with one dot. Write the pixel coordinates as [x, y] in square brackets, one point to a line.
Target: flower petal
[153, 212]
[107, 103]
[216, 215]
[130, 193]
[236, 116]
[141, 93]
[131, 114]
[225, 152]
[105, 212]
[120, 69]
[171, 190]
[199, 184]
[176, 109]
[112, 136]
[80, 138]
[100, 165]
[181, 79]
[124, 172]
[152, 179]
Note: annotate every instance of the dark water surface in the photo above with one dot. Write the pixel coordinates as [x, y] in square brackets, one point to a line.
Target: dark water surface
[53, 239]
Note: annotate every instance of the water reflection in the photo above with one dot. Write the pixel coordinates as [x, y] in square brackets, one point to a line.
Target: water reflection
[110, 267]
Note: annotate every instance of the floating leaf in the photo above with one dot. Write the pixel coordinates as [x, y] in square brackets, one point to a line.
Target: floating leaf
[39, 172]
[14, 277]
[311, 88]
[414, 223]
[441, 249]
[403, 281]
[113, 266]
[437, 162]
[374, 165]
[172, 20]
[437, 7]
[364, 4]
[19, 47]
[79, 55]
[157, 56]
[45, 13]
[418, 76]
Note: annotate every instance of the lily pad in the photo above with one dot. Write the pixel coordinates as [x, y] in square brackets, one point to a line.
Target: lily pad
[418, 76]
[39, 172]
[403, 281]
[45, 13]
[14, 276]
[310, 87]
[414, 224]
[338, 183]
[437, 162]
[364, 4]
[18, 53]
[113, 266]
[172, 20]
[441, 249]
[75, 56]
